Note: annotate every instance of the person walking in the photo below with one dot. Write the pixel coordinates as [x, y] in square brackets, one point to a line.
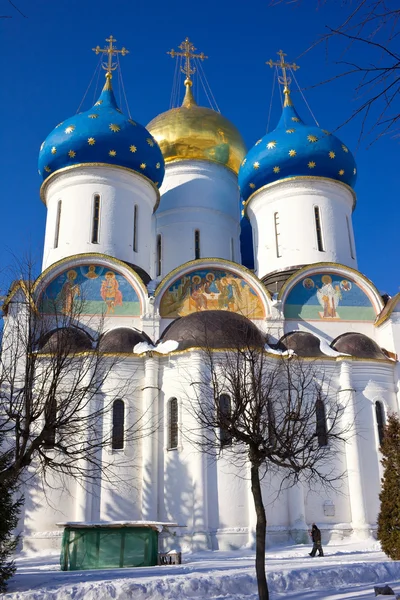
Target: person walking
[315, 534]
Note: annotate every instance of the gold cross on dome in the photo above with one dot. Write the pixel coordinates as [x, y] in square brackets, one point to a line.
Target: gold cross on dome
[188, 53]
[283, 79]
[110, 66]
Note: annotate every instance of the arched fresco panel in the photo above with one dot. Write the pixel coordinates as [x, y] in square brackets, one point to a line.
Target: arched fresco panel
[92, 290]
[329, 297]
[211, 289]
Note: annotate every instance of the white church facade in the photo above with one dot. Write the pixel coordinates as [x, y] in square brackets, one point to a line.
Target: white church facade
[147, 223]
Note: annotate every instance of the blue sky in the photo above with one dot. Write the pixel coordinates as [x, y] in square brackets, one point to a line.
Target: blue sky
[47, 64]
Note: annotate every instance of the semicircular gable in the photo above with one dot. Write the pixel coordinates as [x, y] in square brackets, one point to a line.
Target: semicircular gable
[212, 284]
[91, 284]
[324, 292]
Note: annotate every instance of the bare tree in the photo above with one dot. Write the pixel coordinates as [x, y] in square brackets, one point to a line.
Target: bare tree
[274, 413]
[369, 54]
[58, 385]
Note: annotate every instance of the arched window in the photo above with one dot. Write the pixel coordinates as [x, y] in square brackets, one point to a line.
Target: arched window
[197, 244]
[224, 418]
[50, 416]
[321, 431]
[277, 235]
[158, 255]
[318, 229]
[57, 230]
[172, 424]
[118, 425]
[135, 228]
[380, 421]
[96, 219]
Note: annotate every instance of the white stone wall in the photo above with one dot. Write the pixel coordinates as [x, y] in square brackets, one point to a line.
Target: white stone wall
[294, 202]
[119, 190]
[203, 196]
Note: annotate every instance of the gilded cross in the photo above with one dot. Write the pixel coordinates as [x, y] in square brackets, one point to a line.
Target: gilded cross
[188, 52]
[110, 66]
[283, 79]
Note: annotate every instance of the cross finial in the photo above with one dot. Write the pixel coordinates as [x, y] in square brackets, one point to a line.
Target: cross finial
[109, 65]
[188, 52]
[284, 79]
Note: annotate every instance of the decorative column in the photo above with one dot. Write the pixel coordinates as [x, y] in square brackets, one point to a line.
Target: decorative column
[149, 444]
[83, 493]
[200, 532]
[356, 494]
[297, 522]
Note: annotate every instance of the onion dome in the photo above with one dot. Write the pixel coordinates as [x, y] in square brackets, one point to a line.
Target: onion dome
[302, 343]
[213, 329]
[295, 149]
[194, 132]
[102, 135]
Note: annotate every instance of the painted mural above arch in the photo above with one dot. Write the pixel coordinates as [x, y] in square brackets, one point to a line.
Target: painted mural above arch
[211, 288]
[328, 296]
[92, 289]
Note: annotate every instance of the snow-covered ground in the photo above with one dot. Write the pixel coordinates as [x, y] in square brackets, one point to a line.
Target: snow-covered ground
[347, 571]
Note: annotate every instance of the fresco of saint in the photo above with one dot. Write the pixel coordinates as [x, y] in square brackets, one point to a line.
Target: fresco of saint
[329, 297]
[69, 291]
[110, 292]
[206, 289]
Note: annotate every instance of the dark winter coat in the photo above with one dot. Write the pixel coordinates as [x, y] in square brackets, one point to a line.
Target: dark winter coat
[315, 534]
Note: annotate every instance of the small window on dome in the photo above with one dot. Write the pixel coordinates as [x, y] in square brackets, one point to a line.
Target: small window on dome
[277, 235]
[318, 229]
[96, 219]
[159, 255]
[135, 228]
[58, 218]
[350, 240]
[197, 244]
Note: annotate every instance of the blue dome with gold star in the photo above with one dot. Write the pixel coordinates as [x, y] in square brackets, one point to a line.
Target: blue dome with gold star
[102, 136]
[295, 149]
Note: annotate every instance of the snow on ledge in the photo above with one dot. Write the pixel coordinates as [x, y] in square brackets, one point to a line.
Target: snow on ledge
[161, 348]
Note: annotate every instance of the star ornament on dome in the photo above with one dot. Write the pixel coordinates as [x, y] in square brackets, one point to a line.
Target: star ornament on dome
[277, 169]
[311, 164]
[93, 116]
[258, 142]
[54, 150]
[341, 172]
[150, 142]
[158, 165]
[252, 185]
[292, 152]
[70, 129]
[296, 119]
[271, 145]
[332, 154]
[256, 165]
[114, 127]
[290, 130]
[112, 153]
[312, 138]
[132, 148]
[244, 161]
[72, 154]
[91, 141]
[143, 165]
[345, 148]
[47, 169]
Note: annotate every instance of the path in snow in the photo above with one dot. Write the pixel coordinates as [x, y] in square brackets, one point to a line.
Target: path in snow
[347, 571]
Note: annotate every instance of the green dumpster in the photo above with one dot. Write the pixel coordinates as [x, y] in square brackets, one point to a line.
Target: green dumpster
[108, 546]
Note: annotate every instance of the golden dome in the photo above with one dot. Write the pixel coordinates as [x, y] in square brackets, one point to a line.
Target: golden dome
[194, 132]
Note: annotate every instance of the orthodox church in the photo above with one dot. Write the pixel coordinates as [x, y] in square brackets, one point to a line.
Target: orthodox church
[158, 226]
